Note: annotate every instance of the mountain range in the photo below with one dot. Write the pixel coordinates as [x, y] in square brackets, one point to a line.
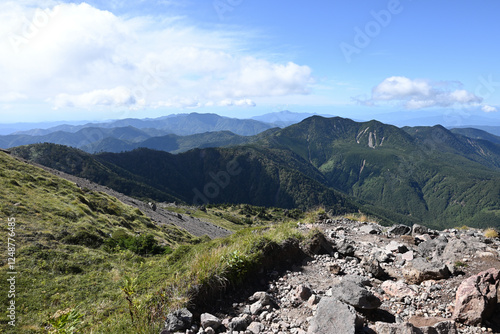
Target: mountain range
[427, 175]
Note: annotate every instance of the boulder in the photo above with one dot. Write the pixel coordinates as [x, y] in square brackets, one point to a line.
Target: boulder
[444, 327]
[433, 248]
[351, 293]
[344, 247]
[397, 289]
[373, 267]
[476, 297]
[397, 247]
[255, 327]
[178, 320]
[208, 320]
[240, 323]
[333, 316]
[370, 229]
[399, 230]
[303, 292]
[419, 229]
[421, 270]
[404, 328]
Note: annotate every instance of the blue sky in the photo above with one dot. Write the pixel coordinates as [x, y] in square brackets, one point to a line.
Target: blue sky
[68, 60]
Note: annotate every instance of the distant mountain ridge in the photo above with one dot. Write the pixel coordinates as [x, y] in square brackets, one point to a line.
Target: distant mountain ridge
[406, 175]
[180, 124]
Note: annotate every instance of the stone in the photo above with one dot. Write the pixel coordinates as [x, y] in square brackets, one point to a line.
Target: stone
[397, 247]
[303, 292]
[408, 256]
[419, 229]
[397, 289]
[434, 325]
[255, 327]
[400, 328]
[373, 267]
[370, 229]
[344, 247]
[178, 320]
[333, 316]
[209, 320]
[399, 230]
[240, 323]
[421, 270]
[433, 248]
[209, 330]
[356, 296]
[313, 300]
[476, 297]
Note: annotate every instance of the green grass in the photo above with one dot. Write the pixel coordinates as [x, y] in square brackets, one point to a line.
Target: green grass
[81, 262]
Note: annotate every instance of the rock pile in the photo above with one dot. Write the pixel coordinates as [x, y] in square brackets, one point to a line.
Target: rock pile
[373, 280]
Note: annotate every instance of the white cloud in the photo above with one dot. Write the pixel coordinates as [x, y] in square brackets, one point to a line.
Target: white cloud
[237, 103]
[487, 108]
[11, 97]
[419, 93]
[116, 97]
[78, 55]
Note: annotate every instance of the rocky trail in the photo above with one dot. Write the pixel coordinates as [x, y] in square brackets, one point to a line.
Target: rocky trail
[364, 278]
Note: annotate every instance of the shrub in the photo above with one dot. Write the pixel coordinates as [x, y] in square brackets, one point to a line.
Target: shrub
[144, 244]
[491, 233]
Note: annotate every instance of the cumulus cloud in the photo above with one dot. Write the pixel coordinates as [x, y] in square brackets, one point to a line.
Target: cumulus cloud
[116, 97]
[81, 56]
[487, 108]
[420, 93]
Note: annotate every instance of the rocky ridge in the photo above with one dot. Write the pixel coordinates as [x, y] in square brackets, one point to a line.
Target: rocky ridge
[364, 278]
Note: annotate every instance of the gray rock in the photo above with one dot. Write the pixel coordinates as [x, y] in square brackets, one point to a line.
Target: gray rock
[303, 292]
[344, 247]
[421, 270]
[255, 327]
[208, 320]
[404, 328]
[240, 323]
[433, 248]
[179, 320]
[333, 316]
[419, 229]
[399, 230]
[370, 229]
[354, 295]
[397, 247]
[373, 267]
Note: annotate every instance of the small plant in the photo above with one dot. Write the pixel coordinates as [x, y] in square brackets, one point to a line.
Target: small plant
[66, 321]
[491, 233]
[129, 289]
[460, 264]
[463, 228]
[235, 263]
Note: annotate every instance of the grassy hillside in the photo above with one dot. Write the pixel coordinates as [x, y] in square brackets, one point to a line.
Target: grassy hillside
[85, 255]
[72, 246]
